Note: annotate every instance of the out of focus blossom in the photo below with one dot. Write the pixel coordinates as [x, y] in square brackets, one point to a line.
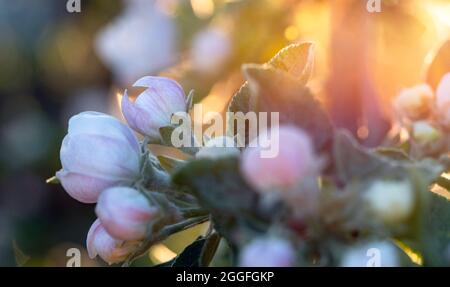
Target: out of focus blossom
[218, 147]
[210, 50]
[424, 132]
[443, 100]
[98, 152]
[125, 212]
[416, 102]
[295, 161]
[111, 250]
[390, 201]
[268, 252]
[372, 254]
[155, 106]
[140, 41]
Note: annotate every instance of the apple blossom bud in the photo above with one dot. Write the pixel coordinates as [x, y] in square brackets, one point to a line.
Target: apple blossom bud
[372, 254]
[390, 201]
[111, 250]
[415, 103]
[424, 132]
[267, 252]
[443, 100]
[98, 152]
[218, 147]
[294, 162]
[155, 106]
[125, 212]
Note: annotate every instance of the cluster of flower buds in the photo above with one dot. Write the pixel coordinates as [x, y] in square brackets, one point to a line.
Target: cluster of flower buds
[426, 115]
[104, 163]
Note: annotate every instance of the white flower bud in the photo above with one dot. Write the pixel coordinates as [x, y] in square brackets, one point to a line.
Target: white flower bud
[424, 132]
[98, 152]
[155, 106]
[268, 252]
[125, 213]
[415, 103]
[390, 201]
[112, 250]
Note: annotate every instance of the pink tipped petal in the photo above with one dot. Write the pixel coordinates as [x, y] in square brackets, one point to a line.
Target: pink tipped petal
[92, 252]
[154, 107]
[83, 188]
[111, 250]
[294, 162]
[125, 213]
[140, 119]
[166, 90]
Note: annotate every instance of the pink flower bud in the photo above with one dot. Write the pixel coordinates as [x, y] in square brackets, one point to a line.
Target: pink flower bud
[294, 162]
[155, 106]
[111, 250]
[125, 212]
[443, 100]
[267, 252]
[415, 103]
[98, 152]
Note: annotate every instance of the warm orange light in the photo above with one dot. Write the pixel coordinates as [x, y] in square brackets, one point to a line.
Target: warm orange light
[119, 100]
[159, 253]
[291, 33]
[202, 8]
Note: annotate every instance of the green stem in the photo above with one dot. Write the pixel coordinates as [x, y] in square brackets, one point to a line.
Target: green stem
[193, 212]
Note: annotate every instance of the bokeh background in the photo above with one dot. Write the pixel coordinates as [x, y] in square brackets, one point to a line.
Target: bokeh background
[54, 64]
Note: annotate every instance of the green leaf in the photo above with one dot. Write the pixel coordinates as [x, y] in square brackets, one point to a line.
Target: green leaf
[217, 185]
[354, 162]
[393, 153]
[19, 255]
[297, 60]
[240, 102]
[219, 188]
[197, 254]
[166, 139]
[273, 90]
[209, 249]
[169, 163]
[436, 231]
